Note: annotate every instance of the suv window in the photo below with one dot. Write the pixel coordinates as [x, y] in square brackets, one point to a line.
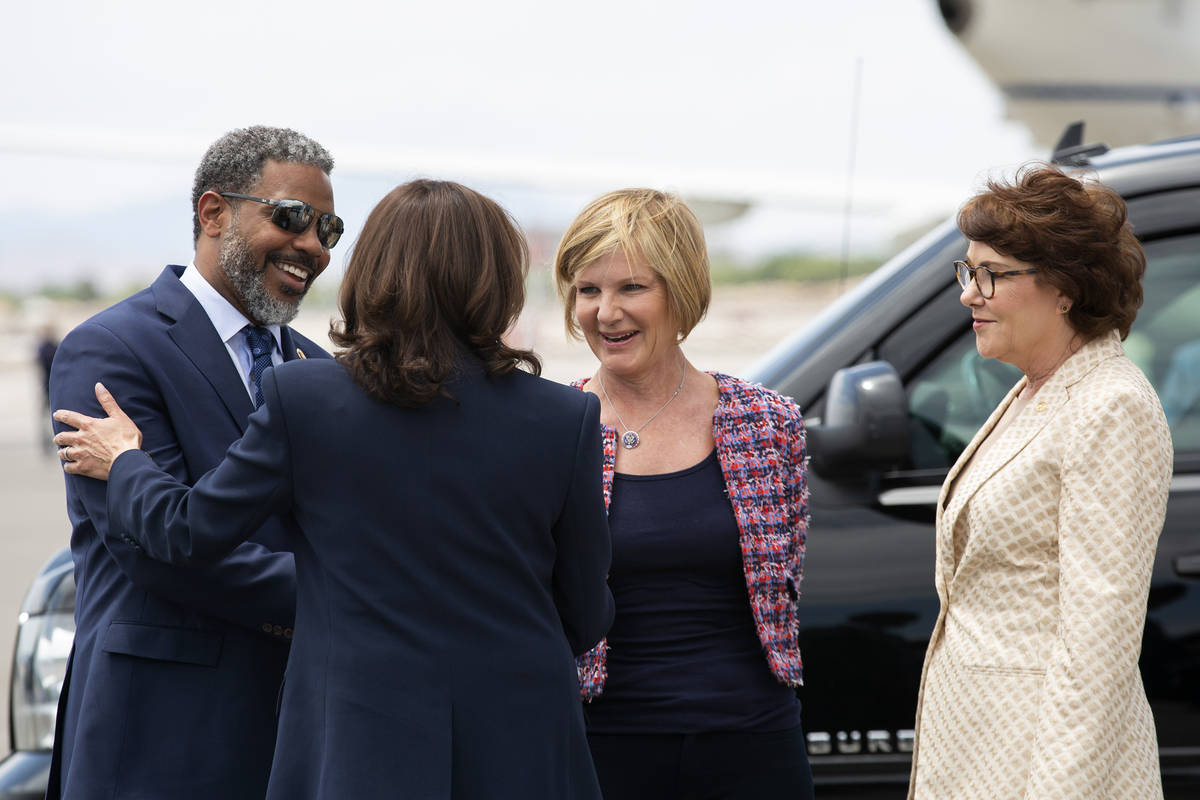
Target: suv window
[951, 396]
[1165, 340]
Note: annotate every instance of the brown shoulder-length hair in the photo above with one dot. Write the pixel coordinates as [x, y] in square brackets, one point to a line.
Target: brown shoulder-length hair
[437, 267]
[1075, 233]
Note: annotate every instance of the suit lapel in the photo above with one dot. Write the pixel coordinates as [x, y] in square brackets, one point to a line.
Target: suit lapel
[1010, 441]
[976, 440]
[195, 335]
[953, 496]
[1044, 407]
[291, 347]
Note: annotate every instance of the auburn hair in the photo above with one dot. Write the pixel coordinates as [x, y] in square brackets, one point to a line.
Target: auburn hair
[437, 268]
[1074, 232]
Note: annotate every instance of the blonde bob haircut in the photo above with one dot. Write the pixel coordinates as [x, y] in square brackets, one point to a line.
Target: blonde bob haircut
[655, 227]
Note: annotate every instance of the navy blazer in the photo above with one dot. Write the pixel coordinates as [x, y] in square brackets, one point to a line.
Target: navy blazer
[173, 680]
[450, 559]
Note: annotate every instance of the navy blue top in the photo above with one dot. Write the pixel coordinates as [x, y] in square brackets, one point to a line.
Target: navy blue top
[168, 660]
[684, 656]
[436, 624]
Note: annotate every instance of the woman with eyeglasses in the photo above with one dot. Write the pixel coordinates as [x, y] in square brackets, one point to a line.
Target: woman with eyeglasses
[692, 694]
[453, 542]
[1047, 524]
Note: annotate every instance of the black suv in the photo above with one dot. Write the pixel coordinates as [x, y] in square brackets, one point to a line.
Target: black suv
[893, 390]
[46, 629]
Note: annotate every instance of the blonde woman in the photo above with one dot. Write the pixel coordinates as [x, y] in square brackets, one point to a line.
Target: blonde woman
[692, 694]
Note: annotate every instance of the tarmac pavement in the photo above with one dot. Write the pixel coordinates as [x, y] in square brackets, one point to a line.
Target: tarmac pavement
[33, 523]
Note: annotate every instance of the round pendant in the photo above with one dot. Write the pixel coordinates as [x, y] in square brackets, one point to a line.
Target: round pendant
[630, 440]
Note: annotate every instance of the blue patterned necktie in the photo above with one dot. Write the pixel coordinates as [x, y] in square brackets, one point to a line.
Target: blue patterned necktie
[260, 342]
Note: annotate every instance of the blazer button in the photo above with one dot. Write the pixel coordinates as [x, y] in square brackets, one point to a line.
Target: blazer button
[266, 627]
[277, 630]
[287, 633]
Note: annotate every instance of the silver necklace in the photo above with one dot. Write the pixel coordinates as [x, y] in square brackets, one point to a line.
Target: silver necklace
[631, 439]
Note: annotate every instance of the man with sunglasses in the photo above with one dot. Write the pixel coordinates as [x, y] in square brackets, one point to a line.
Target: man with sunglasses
[172, 684]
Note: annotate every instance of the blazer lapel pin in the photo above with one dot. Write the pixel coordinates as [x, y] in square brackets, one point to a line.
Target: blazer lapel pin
[300, 353]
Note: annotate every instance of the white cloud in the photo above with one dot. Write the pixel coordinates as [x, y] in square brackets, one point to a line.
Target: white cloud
[558, 89]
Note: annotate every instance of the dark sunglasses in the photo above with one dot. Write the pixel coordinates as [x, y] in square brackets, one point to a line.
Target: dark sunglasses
[294, 216]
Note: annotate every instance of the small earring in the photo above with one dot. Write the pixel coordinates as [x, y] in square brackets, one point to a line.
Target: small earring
[1064, 309]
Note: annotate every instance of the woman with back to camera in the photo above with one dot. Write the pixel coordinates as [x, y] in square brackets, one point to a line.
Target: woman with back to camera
[453, 543]
[692, 694]
[1048, 523]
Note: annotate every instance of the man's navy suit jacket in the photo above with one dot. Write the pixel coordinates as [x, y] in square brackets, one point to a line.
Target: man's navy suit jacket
[450, 560]
[173, 680]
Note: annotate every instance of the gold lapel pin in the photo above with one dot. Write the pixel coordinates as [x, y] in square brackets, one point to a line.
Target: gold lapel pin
[1041, 406]
[300, 353]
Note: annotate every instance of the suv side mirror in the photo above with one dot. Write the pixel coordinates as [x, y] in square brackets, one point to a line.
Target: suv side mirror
[865, 426]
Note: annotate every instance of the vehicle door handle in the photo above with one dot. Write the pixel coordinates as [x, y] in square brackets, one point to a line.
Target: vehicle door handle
[911, 496]
[1188, 566]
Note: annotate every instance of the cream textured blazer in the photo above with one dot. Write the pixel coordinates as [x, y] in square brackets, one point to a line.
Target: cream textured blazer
[1031, 688]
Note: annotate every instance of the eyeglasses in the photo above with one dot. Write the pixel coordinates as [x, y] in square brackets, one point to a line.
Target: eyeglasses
[294, 216]
[984, 278]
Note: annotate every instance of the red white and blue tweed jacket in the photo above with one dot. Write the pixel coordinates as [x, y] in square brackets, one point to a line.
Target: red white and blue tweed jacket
[760, 446]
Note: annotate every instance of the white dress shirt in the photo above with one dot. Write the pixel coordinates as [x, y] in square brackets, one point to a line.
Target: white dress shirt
[229, 323]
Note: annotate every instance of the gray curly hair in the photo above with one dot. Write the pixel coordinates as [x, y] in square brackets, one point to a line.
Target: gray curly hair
[234, 162]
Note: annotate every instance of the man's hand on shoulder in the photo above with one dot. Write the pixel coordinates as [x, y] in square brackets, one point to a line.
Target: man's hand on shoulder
[96, 442]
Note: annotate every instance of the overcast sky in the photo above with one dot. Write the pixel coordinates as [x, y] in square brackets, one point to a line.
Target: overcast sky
[108, 105]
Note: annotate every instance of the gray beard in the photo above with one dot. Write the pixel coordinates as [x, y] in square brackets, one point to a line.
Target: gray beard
[248, 280]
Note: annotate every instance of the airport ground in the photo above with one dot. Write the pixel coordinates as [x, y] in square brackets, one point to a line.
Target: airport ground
[744, 322]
